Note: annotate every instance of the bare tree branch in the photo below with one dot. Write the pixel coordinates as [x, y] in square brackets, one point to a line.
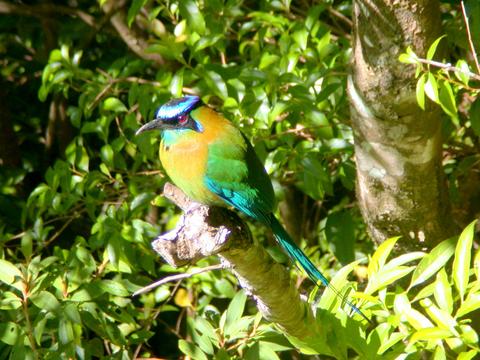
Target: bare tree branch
[130, 35]
[41, 10]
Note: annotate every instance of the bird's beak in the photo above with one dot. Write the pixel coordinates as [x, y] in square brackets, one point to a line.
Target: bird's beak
[152, 125]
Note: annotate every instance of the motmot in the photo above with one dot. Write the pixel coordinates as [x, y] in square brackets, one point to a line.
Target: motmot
[213, 162]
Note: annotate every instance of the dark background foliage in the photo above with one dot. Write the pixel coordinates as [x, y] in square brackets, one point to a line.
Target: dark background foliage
[80, 195]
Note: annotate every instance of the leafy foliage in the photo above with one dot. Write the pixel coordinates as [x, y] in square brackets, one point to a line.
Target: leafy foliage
[80, 194]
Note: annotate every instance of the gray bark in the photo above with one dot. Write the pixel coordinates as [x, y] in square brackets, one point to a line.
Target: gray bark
[401, 186]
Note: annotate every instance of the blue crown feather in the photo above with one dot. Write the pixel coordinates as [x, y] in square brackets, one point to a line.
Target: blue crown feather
[177, 107]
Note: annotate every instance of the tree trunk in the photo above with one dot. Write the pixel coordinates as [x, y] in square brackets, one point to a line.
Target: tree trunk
[401, 186]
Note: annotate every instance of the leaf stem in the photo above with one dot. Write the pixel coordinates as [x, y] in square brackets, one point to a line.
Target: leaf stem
[448, 67]
[469, 36]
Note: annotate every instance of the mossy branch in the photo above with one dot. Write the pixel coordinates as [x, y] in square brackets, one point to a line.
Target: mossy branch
[203, 231]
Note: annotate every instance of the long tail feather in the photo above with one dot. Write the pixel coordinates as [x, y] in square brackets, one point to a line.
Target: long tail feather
[299, 257]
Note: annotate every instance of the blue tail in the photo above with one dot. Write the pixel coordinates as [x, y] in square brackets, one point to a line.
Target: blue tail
[298, 256]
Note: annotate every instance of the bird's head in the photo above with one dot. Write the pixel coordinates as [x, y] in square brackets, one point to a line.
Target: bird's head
[175, 115]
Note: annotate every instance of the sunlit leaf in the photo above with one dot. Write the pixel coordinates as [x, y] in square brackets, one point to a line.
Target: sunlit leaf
[433, 262]
[428, 334]
[192, 13]
[462, 259]
[10, 274]
[462, 75]
[471, 303]
[235, 310]
[45, 300]
[431, 88]
[9, 332]
[443, 292]
[114, 104]
[191, 350]
[433, 48]
[447, 99]
[380, 256]
[439, 316]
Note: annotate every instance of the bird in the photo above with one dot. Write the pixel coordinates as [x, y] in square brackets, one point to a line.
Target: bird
[214, 164]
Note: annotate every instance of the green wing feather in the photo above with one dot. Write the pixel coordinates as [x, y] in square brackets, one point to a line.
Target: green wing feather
[235, 173]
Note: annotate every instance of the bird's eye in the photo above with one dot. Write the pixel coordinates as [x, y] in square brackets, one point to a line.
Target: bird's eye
[183, 119]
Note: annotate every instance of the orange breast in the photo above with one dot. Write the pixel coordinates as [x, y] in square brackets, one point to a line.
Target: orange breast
[184, 156]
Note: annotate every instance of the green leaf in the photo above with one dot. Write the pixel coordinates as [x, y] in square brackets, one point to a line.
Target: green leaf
[113, 287]
[420, 91]
[45, 300]
[176, 85]
[383, 278]
[468, 355]
[114, 104]
[404, 309]
[390, 342]
[476, 264]
[440, 353]
[205, 328]
[9, 332]
[380, 256]
[431, 263]
[461, 262]
[27, 244]
[134, 9]
[409, 57]
[235, 310]
[107, 154]
[301, 38]
[340, 233]
[428, 334]
[433, 48]
[404, 259]
[440, 317]
[447, 99]
[431, 88]
[468, 334]
[406, 59]
[475, 116]
[443, 292]
[10, 301]
[463, 74]
[191, 12]
[10, 274]
[260, 351]
[191, 350]
[216, 83]
[65, 331]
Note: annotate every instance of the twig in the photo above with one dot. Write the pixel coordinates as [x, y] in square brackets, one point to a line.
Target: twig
[177, 277]
[100, 95]
[149, 173]
[469, 36]
[342, 17]
[28, 323]
[59, 232]
[43, 10]
[131, 36]
[148, 323]
[448, 67]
